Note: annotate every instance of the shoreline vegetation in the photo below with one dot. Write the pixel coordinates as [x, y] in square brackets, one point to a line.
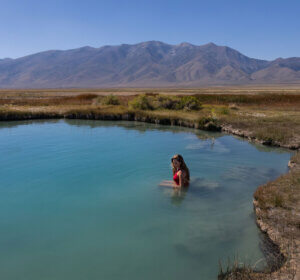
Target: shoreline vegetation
[270, 116]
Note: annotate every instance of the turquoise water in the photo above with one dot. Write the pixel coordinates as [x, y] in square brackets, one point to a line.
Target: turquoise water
[80, 200]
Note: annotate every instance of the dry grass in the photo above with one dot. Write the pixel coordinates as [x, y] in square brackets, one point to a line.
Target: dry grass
[284, 192]
[271, 115]
[250, 99]
[271, 89]
[274, 127]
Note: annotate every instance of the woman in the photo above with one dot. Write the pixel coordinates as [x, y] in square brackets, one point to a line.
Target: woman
[181, 174]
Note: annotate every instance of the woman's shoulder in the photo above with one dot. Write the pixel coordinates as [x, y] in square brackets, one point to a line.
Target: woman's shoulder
[181, 172]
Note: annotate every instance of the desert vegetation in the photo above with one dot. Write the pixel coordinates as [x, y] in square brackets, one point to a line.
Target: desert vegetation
[270, 117]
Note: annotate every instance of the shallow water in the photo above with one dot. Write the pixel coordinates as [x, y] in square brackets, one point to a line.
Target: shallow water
[80, 200]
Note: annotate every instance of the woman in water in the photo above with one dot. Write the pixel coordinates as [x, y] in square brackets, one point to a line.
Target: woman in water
[181, 174]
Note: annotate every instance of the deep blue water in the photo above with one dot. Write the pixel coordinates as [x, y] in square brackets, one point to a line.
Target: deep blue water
[80, 200]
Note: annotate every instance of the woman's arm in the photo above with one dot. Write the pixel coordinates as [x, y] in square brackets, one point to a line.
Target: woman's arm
[167, 183]
[180, 175]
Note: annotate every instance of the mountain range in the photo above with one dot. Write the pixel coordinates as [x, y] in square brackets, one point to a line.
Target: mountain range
[147, 64]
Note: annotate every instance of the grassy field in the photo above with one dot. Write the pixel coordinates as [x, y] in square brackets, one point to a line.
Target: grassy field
[289, 89]
[270, 115]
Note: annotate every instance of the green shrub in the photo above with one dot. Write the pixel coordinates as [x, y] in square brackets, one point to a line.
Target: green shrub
[165, 102]
[111, 100]
[146, 102]
[141, 102]
[188, 103]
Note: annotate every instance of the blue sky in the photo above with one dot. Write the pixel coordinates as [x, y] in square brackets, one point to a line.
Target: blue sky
[264, 29]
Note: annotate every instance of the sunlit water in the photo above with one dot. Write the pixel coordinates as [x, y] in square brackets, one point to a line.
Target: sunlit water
[80, 200]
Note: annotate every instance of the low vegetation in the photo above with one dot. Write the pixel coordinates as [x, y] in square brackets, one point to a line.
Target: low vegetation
[284, 192]
[164, 102]
[273, 119]
[110, 100]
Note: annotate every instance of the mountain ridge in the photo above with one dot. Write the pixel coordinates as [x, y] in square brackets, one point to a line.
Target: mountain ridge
[146, 64]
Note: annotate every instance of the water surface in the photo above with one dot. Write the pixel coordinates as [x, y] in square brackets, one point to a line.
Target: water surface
[80, 200]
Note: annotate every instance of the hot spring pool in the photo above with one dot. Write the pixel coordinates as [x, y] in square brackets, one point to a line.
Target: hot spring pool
[80, 200]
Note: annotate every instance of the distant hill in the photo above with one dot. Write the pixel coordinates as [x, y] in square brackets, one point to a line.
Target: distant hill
[147, 64]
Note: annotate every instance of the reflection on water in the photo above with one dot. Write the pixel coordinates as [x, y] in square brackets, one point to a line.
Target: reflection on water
[79, 200]
[178, 195]
[202, 183]
[213, 145]
[245, 173]
[143, 127]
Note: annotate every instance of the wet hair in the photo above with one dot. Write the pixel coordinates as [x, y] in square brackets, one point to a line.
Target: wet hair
[182, 165]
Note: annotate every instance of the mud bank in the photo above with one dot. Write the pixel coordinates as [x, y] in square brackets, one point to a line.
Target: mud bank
[248, 135]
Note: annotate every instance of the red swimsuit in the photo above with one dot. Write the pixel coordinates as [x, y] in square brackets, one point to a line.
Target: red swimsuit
[176, 177]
